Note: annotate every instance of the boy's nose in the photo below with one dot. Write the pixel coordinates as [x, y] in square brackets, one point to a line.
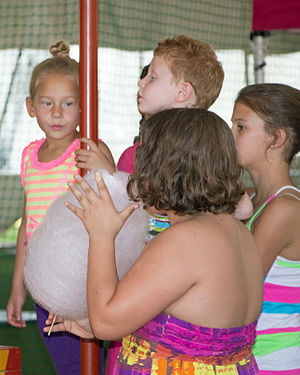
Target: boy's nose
[141, 82]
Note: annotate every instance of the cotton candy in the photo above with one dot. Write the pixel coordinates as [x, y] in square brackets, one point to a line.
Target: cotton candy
[56, 259]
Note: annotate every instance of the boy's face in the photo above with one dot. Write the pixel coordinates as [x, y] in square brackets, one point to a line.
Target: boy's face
[157, 90]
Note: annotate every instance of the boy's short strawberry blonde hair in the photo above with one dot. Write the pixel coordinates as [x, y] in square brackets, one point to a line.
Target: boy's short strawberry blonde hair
[194, 62]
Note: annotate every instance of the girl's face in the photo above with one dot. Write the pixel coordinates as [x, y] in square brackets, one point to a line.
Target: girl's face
[251, 139]
[56, 106]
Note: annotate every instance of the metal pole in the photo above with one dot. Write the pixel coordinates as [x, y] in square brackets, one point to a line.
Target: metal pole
[89, 349]
[258, 45]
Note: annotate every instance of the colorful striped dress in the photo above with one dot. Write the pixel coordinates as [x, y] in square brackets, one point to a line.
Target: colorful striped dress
[168, 345]
[277, 346]
[44, 182]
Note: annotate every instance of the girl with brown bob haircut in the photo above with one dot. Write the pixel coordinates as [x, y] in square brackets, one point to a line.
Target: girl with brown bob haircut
[187, 163]
[190, 302]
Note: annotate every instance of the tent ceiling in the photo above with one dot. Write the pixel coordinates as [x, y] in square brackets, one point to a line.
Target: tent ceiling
[135, 24]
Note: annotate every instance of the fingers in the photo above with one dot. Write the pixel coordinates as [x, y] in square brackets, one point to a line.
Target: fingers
[51, 316]
[93, 146]
[94, 157]
[76, 210]
[129, 210]
[17, 323]
[15, 319]
[86, 196]
[103, 192]
[57, 327]
[50, 319]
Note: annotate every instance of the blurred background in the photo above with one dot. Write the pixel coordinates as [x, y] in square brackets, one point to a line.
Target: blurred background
[254, 40]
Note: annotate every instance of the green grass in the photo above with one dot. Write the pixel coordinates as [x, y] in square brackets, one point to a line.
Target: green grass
[35, 358]
[8, 238]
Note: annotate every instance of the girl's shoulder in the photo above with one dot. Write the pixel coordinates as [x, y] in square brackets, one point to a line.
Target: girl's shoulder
[33, 146]
[28, 154]
[280, 207]
[286, 202]
[202, 231]
[280, 217]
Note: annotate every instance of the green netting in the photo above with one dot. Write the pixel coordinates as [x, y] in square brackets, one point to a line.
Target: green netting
[134, 24]
[128, 32]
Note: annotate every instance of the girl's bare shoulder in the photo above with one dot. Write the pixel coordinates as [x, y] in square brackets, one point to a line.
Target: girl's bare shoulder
[283, 208]
[203, 231]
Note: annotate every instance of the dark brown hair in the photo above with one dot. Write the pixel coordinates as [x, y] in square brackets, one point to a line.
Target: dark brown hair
[195, 62]
[278, 105]
[187, 163]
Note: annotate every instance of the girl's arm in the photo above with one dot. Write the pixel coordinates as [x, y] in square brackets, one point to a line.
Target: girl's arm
[98, 156]
[274, 229]
[161, 271]
[18, 293]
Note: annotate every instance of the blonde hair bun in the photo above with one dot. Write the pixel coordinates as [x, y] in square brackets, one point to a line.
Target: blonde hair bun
[60, 49]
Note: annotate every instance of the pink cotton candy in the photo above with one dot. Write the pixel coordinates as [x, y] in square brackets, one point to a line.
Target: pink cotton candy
[56, 260]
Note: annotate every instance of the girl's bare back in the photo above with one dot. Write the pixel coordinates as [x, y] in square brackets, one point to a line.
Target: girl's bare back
[221, 260]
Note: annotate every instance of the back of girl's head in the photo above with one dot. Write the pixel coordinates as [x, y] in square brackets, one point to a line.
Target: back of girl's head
[194, 62]
[278, 105]
[59, 63]
[187, 163]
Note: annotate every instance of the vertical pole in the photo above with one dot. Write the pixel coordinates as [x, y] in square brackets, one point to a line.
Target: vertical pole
[89, 349]
[258, 44]
[88, 69]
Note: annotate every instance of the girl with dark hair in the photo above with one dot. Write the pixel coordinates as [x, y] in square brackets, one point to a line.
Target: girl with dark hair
[266, 128]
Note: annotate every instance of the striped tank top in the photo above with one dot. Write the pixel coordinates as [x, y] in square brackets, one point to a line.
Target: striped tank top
[277, 346]
[44, 182]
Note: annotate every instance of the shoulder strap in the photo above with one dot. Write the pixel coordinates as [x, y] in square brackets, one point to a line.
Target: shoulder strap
[257, 213]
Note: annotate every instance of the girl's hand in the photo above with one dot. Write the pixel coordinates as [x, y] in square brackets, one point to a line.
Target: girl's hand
[14, 308]
[94, 157]
[75, 327]
[98, 213]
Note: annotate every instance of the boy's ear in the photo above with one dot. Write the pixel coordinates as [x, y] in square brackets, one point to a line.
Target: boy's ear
[185, 92]
[29, 106]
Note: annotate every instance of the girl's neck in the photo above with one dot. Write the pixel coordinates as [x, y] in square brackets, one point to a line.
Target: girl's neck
[267, 181]
[174, 218]
[52, 149]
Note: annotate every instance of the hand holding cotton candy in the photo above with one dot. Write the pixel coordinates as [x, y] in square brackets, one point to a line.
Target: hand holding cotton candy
[56, 261]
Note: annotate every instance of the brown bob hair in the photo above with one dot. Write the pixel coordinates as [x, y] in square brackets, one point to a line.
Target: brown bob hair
[187, 163]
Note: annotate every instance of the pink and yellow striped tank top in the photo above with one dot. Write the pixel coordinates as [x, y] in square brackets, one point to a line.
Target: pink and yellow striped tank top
[44, 182]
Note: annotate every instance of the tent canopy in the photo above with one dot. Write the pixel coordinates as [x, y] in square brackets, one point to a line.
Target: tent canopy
[276, 14]
[136, 24]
